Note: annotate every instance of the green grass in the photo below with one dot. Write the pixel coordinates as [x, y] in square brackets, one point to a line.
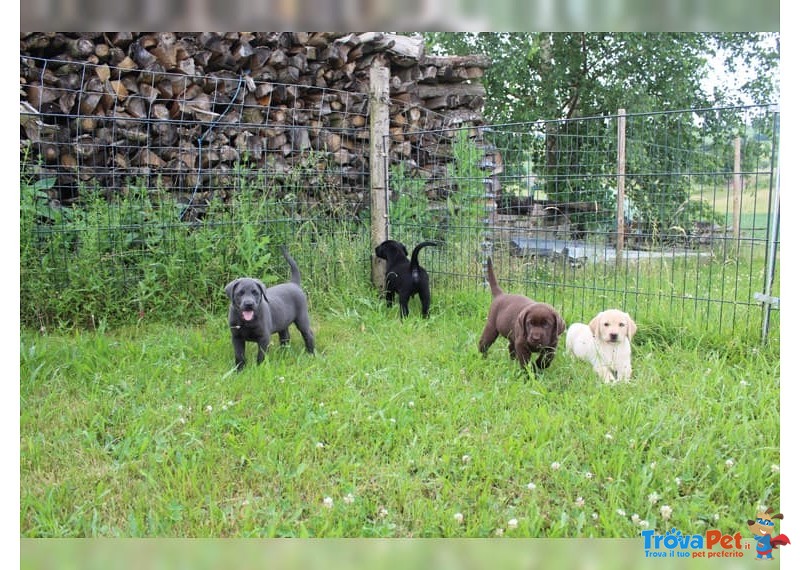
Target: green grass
[146, 431]
[755, 206]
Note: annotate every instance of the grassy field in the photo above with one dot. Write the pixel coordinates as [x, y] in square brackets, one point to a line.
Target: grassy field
[393, 429]
[755, 205]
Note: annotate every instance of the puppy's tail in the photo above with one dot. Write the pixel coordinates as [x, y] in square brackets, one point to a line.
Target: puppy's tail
[292, 265]
[496, 290]
[415, 254]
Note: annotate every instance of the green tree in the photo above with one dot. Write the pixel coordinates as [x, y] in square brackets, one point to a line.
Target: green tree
[563, 75]
[572, 85]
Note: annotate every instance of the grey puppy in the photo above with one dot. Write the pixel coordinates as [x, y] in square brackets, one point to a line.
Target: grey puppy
[257, 311]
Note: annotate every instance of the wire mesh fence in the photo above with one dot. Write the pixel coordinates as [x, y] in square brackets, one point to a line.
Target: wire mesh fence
[668, 215]
[139, 166]
[156, 177]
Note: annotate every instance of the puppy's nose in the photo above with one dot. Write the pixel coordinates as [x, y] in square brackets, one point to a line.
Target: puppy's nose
[614, 337]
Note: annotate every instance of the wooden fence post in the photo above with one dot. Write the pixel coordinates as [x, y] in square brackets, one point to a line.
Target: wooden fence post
[378, 133]
[737, 190]
[620, 184]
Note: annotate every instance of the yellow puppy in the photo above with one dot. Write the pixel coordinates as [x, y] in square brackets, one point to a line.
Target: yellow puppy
[605, 343]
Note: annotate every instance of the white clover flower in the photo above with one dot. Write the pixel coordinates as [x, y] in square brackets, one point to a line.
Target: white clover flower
[411, 404]
[512, 524]
[180, 407]
[182, 420]
[531, 486]
[392, 421]
[595, 516]
[621, 512]
[555, 466]
[320, 445]
[644, 523]
[589, 475]
[744, 383]
[653, 498]
[459, 518]
[653, 465]
[382, 512]
[678, 481]
[465, 458]
[729, 463]
[775, 468]
[579, 502]
[716, 517]
[666, 512]
[609, 437]
[498, 532]
[327, 502]
[635, 518]
[209, 409]
[348, 499]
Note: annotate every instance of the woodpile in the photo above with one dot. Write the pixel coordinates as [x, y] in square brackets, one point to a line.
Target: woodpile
[182, 110]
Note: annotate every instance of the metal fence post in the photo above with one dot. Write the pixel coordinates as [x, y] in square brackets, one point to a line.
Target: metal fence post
[379, 130]
[770, 302]
[620, 184]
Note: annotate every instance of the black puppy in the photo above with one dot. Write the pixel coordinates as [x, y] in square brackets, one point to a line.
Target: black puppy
[404, 277]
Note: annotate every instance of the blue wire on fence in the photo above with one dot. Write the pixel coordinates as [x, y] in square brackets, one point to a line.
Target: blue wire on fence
[200, 147]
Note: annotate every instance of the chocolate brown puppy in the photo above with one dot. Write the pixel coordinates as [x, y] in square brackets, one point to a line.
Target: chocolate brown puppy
[528, 325]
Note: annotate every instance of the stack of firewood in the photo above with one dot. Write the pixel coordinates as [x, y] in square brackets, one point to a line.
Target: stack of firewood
[187, 107]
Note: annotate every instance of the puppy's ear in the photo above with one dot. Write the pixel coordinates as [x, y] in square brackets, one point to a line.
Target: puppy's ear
[522, 321]
[263, 289]
[594, 325]
[230, 288]
[631, 326]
